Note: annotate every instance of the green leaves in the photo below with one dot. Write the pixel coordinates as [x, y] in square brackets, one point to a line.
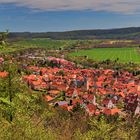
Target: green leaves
[6, 102]
[3, 37]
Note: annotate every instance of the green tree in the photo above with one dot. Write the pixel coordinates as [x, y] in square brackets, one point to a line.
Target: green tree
[3, 38]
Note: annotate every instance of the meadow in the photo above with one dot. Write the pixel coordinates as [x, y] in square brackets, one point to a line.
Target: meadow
[124, 55]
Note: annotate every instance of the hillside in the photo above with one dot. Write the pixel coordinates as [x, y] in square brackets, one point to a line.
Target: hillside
[120, 33]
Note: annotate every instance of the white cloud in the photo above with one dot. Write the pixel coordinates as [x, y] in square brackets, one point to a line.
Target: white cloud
[121, 6]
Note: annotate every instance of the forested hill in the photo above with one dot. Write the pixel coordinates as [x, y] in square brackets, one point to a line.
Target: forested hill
[121, 33]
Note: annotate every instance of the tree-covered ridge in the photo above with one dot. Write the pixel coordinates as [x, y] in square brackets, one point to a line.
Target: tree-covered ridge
[122, 33]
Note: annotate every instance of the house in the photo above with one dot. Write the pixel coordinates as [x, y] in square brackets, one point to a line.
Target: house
[70, 108]
[98, 112]
[138, 88]
[47, 98]
[72, 92]
[44, 71]
[99, 84]
[62, 104]
[76, 101]
[113, 111]
[54, 92]
[109, 103]
[29, 78]
[33, 69]
[90, 98]
[4, 74]
[38, 85]
[131, 102]
[86, 83]
[91, 109]
[120, 94]
[63, 87]
[60, 62]
[137, 111]
[75, 93]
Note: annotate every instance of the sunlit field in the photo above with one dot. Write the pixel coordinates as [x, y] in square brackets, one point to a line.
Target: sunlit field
[124, 55]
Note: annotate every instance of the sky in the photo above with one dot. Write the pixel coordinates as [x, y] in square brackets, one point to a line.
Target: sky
[66, 15]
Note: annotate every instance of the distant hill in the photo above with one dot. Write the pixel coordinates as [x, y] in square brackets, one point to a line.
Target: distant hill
[120, 33]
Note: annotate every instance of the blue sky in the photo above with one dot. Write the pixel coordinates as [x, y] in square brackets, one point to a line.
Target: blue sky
[33, 17]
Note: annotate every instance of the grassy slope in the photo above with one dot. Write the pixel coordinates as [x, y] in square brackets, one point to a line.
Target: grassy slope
[34, 43]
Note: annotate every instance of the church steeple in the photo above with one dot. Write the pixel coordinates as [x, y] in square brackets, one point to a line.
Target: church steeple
[86, 83]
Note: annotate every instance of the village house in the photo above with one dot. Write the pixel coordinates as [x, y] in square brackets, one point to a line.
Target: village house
[4, 74]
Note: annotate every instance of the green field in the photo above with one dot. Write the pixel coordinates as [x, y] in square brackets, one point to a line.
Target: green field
[125, 55]
[43, 43]
[36, 43]
[55, 44]
[46, 43]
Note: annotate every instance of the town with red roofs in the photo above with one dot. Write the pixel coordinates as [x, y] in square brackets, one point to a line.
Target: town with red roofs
[96, 91]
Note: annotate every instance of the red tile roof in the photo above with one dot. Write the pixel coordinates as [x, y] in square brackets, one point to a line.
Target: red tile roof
[91, 109]
[111, 111]
[54, 92]
[4, 74]
[47, 98]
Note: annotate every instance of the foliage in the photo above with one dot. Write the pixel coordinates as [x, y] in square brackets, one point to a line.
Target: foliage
[104, 130]
[124, 33]
[3, 38]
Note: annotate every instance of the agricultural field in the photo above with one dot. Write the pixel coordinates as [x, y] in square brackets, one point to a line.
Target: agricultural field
[37, 43]
[55, 44]
[125, 55]
[42, 43]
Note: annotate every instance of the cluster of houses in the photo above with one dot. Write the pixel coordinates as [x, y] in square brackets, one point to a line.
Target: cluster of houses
[97, 91]
[59, 62]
